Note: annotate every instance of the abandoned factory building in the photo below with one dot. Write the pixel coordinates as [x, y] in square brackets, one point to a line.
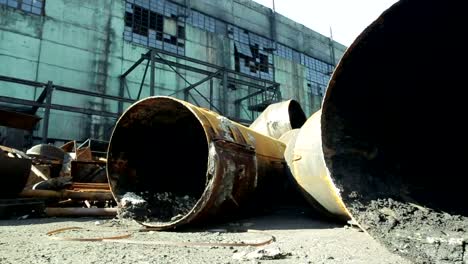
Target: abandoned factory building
[89, 60]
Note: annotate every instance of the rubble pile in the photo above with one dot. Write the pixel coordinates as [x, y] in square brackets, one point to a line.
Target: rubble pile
[58, 181]
[155, 207]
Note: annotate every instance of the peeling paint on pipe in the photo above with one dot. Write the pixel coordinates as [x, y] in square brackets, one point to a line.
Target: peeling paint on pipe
[162, 145]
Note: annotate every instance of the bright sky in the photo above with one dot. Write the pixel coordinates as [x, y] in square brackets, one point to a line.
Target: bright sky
[347, 18]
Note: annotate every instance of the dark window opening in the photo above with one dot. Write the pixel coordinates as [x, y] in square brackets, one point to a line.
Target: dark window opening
[181, 32]
[159, 36]
[254, 50]
[128, 19]
[263, 66]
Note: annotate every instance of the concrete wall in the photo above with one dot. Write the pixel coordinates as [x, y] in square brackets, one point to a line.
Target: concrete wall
[80, 44]
[74, 45]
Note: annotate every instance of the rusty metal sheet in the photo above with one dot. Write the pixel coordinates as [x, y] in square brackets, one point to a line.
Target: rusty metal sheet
[88, 171]
[84, 154]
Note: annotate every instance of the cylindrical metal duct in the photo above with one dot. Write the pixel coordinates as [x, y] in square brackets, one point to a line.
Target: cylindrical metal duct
[279, 118]
[392, 134]
[183, 163]
[15, 167]
[304, 157]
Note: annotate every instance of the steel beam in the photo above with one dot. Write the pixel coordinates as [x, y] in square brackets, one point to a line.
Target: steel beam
[48, 102]
[65, 108]
[152, 73]
[138, 62]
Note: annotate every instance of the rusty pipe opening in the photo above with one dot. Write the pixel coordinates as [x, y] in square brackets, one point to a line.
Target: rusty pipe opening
[157, 160]
[171, 163]
[391, 131]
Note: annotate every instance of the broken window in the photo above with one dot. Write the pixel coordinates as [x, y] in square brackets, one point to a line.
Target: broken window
[161, 24]
[156, 24]
[251, 53]
[30, 6]
[252, 60]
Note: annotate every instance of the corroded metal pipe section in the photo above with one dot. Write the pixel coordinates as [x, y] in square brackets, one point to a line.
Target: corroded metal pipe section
[187, 164]
[279, 118]
[15, 167]
[392, 142]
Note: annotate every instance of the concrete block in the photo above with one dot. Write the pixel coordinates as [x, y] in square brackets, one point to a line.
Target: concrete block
[20, 22]
[19, 45]
[66, 56]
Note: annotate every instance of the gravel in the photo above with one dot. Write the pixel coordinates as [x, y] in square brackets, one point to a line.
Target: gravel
[300, 237]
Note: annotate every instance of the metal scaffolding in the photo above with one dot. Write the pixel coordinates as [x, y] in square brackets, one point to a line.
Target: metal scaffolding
[261, 92]
[45, 101]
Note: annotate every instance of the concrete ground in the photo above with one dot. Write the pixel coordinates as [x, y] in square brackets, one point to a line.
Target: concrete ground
[299, 238]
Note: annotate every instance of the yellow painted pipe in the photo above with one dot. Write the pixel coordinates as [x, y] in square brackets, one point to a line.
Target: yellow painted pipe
[200, 165]
[279, 118]
[305, 160]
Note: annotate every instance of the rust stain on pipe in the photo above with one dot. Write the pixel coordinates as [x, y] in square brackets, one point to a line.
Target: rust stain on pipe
[163, 145]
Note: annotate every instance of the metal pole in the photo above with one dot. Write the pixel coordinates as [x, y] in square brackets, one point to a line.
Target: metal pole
[48, 101]
[223, 93]
[143, 80]
[152, 73]
[121, 93]
[332, 48]
[186, 95]
[211, 94]
[237, 110]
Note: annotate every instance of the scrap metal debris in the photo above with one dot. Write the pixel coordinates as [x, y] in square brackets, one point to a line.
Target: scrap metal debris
[14, 169]
[66, 181]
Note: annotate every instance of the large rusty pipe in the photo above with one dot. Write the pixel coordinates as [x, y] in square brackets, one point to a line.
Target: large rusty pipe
[389, 141]
[163, 148]
[279, 118]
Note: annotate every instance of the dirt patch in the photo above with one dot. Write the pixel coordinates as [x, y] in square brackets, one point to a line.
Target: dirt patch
[303, 238]
[415, 232]
[155, 207]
